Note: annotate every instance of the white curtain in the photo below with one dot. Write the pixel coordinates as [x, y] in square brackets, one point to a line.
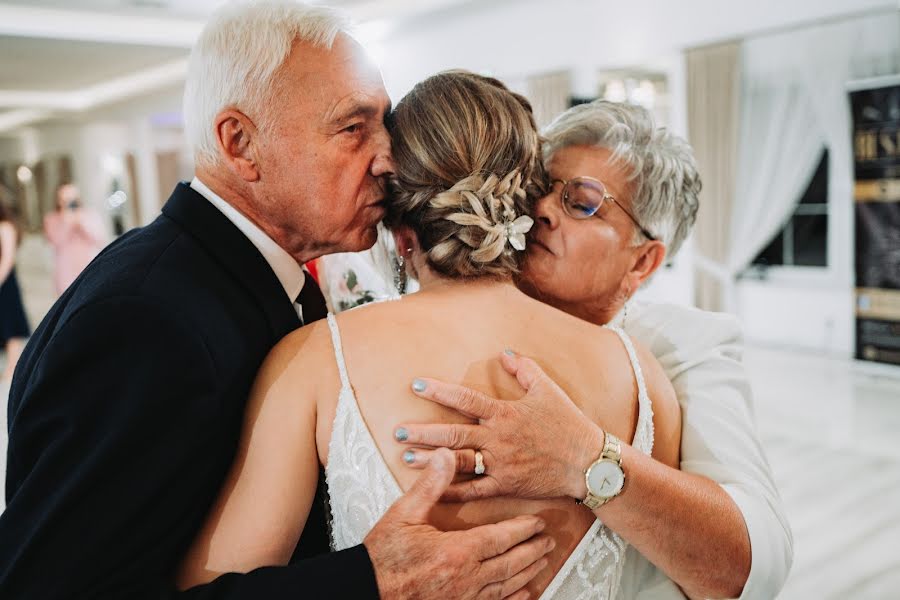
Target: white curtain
[549, 95]
[713, 81]
[794, 104]
[780, 146]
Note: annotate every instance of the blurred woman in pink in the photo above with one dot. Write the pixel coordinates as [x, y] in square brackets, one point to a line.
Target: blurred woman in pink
[76, 234]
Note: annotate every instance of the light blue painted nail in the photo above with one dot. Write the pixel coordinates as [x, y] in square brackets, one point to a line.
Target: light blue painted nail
[409, 457]
[401, 434]
[509, 352]
[419, 385]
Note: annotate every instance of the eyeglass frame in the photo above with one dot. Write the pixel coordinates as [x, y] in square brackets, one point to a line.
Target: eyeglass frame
[606, 196]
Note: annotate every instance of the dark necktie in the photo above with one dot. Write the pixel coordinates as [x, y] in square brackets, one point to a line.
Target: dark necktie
[312, 301]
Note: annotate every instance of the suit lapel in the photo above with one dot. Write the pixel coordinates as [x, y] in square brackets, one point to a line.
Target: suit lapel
[237, 255]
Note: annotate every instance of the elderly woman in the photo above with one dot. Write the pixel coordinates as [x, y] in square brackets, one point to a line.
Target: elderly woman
[624, 197]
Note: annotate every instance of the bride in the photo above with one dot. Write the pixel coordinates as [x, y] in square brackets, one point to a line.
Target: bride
[468, 171]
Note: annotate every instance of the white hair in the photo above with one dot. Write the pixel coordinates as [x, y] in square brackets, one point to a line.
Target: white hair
[235, 60]
[663, 172]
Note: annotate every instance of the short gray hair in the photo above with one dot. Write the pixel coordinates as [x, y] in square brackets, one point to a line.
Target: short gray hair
[235, 60]
[664, 176]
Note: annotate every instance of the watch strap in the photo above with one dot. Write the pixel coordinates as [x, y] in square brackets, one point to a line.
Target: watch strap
[612, 451]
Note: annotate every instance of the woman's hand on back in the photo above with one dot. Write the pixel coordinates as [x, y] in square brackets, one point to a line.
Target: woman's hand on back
[537, 447]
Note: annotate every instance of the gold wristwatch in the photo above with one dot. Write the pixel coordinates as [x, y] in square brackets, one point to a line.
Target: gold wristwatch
[605, 477]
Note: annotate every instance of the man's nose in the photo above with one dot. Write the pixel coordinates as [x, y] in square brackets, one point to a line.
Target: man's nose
[383, 163]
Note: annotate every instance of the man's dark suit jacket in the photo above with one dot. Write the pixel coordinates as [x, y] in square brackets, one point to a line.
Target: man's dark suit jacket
[125, 413]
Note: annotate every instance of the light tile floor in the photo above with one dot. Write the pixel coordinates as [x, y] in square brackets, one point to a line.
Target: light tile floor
[831, 431]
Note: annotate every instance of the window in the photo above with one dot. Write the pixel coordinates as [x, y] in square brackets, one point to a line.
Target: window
[803, 241]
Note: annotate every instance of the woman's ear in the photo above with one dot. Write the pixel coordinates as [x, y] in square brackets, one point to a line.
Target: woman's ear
[648, 258]
[236, 135]
[406, 241]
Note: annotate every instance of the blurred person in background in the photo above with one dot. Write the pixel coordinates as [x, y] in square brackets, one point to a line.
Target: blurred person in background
[13, 323]
[76, 233]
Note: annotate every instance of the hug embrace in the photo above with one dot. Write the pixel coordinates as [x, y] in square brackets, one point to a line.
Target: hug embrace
[190, 421]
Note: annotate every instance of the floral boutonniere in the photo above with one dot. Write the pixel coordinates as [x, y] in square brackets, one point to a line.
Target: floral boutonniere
[352, 295]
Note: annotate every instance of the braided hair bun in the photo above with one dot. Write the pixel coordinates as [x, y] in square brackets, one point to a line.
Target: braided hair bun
[467, 173]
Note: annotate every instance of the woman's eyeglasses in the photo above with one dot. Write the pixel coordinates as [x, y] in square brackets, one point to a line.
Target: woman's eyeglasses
[582, 197]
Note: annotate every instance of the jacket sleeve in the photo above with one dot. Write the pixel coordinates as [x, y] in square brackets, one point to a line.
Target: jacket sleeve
[115, 453]
[702, 355]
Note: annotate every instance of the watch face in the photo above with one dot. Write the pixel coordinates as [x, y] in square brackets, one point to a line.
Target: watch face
[605, 479]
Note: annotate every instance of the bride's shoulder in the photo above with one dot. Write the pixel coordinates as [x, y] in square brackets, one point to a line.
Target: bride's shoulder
[314, 333]
[300, 349]
[373, 314]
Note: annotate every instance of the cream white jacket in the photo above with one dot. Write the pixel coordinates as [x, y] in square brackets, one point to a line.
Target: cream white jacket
[701, 353]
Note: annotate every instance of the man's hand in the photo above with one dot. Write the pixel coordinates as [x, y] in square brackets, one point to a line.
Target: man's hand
[414, 560]
[537, 447]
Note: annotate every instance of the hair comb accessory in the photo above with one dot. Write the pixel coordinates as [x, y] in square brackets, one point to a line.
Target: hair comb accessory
[516, 230]
[489, 204]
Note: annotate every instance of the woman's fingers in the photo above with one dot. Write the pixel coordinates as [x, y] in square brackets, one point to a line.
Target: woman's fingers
[467, 401]
[456, 436]
[418, 458]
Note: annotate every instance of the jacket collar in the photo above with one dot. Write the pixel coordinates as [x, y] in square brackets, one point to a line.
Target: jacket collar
[235, 253]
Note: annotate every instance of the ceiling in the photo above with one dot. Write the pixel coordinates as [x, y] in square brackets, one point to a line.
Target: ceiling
[70, 57]
[62, 65]
[192, 8]
[62, 57]
[197, 9]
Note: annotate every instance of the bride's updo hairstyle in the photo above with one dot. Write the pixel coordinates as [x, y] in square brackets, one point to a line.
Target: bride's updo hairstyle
[467, 170]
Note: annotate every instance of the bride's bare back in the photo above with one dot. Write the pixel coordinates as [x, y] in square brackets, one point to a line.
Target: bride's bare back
[455, 333]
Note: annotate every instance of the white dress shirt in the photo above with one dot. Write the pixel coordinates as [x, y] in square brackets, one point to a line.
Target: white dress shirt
[288, 271]
[701, 353]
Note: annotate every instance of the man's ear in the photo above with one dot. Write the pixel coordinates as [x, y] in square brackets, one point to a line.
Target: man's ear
[236, 136]
[648, 258]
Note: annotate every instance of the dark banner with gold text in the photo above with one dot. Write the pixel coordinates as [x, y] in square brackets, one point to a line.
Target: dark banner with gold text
[876, 143]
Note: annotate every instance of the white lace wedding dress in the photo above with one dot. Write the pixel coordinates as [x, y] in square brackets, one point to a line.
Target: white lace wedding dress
[361, 488]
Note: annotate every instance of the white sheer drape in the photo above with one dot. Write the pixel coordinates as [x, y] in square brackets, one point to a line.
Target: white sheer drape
[780, 146]
[794, 104]
[713, 83]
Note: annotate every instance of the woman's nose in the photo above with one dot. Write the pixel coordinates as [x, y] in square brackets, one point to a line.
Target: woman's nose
[547, 210]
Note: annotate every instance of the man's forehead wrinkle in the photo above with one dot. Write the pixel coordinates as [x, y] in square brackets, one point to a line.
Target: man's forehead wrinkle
[355, 102]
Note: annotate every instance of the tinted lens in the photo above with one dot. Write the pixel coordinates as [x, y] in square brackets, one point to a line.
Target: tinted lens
[583, 198]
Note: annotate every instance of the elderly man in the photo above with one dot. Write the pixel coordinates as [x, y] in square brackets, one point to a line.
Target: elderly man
[623, 194]
[126, 407]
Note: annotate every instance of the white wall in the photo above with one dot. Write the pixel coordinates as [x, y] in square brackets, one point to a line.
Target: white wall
[512, 38]
[798, 313]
